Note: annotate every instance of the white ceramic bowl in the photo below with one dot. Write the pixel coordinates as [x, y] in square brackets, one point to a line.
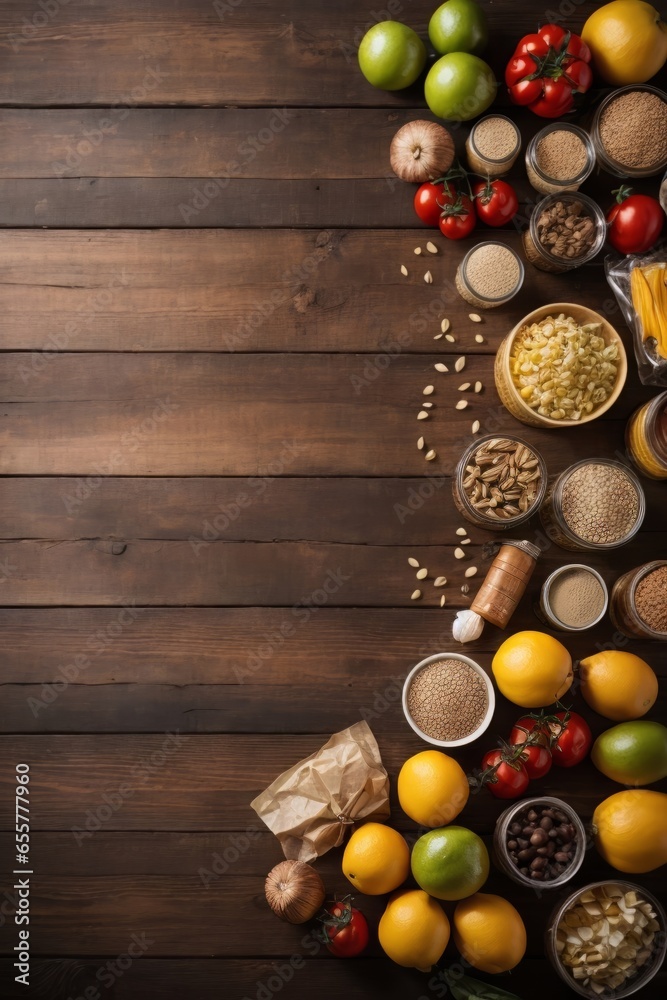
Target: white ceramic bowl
[490, 692]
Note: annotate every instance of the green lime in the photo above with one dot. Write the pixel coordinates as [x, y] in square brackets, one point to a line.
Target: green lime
[459, 86]
[458, 26]
[391, 55]
[450, 862]
[632, 753]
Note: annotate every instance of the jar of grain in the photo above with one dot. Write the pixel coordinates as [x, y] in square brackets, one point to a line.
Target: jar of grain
[596, 504]
[499, 482]
[489, 275]
[629, 131]
[573, 598]
[639, 602]
[559, 158]
[646, 437]
[565, 231]
[493, 145]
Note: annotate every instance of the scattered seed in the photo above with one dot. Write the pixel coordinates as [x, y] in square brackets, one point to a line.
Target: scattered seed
[413, 562]
[428, 278]
[422, 415]
[465, 589]
[440, 367]
[475, 317]
[465, 541]
[459, 553]
[461, 531]
[450, 338]
[479, 338]
[438, 336]
[445, 325]
[430, 455]
[431, 247]
[420, 443]
[443, 601]
[462, 403]
[475, 426]
[415, 595]
[460, 364]
[478, 386]
[440, 581]
[418, 250]
[428, 405]
[428, 390]
[404, 270]
[422, 573]
[471, 571]
[464, 386]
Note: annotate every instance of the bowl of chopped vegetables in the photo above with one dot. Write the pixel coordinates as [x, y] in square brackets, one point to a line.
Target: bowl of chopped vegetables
[562, 365]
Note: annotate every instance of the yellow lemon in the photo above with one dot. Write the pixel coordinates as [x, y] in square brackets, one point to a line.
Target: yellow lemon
[532, 669]
[489, 932]
[628, 41]
[618, 685]
[414, 929]
[432, 788]
[630, 830]
[376, 859]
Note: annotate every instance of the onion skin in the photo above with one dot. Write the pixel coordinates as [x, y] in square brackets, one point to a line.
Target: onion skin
[421, 151]
[294, 891]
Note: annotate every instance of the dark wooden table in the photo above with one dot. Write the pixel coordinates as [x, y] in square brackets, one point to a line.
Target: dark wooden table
[211, 373]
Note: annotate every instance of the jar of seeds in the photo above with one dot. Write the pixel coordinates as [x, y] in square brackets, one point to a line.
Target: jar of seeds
[489, 275]
[564, 232]
[639, 602]
[559, 158]
[493, 145]
[596, 504]
[499, 483]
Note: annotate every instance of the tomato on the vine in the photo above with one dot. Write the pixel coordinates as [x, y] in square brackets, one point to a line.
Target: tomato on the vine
[634, 222]
[547, 69]
[496, 201]
[345, 929]
[536, 756]
[428, 203]
[458, 214]
[571, 739]
[508, 781]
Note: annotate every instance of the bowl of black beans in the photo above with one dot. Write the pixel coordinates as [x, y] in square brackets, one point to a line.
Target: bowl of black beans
[539, 842]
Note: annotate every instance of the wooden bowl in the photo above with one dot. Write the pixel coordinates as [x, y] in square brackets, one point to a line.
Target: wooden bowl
[509, 394]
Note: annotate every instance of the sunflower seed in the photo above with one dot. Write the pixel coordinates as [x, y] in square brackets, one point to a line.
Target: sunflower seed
[461, 531]
[450, 338]
[418, 250]
[428, 390]
[413, 562]
[462, 403]
[471, 571]
[430, 455]
[465, 541]
[475, 317]
[422, 574]
[415, 595]
[404, 270]
[420, 443]
[459, 553]
[464, 386]
[440, 581]
[428, 278]
[479, 338]
[478, 386]
[431, 247]
[475, 426]
[428, 405]
[438, 336]
[443, 601]
[445, 325]
[440, 367]
[460, 364]
[422, 415]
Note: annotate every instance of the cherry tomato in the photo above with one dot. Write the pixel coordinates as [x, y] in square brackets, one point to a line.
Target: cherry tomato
[578, 49]
[524, 726]
[532, 43]
[556, 99]
[526, 92]
[547, 69]
[496, 202]
[346, 928]
[537, 761]
[635, 222]
[552, 34]
[511, 779]
[537, 756]
[458, 218]
[579, 75]
[573, 742]
[518, 68]
[428, 203]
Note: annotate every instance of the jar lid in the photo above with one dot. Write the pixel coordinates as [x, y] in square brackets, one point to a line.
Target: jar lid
[528, 547]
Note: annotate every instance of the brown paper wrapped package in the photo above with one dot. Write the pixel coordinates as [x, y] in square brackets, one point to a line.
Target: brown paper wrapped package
[309, 807]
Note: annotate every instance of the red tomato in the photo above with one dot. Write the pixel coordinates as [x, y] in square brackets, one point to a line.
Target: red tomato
[537, 761]
[532, 43]
[572, 742]
[524, 726]
[580, 74]
[537, 756]
[428, 203]
[635, 222]
[547, 69]
[496, 202]
[511, 779]
[526, 92]
[556, 99]
[519, 67]
[347, 930]
[458, 218]
[552, 34]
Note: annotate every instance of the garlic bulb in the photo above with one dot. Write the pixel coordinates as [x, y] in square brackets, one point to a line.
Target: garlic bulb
[467, 626]
[421, 151]
[294, 891]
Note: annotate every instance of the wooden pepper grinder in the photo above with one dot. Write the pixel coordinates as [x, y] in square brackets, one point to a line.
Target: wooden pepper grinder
[506, 581]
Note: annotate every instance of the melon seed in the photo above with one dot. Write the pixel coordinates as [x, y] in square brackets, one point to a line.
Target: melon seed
[422, 415]
[428, 278]
[475, 426]
[471, 570]
[431, 247]
[444, 326]
[440, 367]
[460, 364]
[420, 443]
[462, 403]
[464, 386]
[459, 553]
[474, 317]
[415, 595]
[430, 455]
[440, 581]
[428, 390]
[422, 574]
[461, 531]
[404, 270]
[413, 562]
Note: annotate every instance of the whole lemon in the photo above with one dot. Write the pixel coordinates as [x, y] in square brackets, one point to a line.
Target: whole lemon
[414, 929]
[376, 859]
[489, 932]
[450, 863]
[432, 788]
[618, 685]
[532, 669]
[630, 830]
[628, 41]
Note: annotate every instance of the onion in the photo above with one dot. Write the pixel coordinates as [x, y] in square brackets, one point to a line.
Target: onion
[294, 891]
[421, 151]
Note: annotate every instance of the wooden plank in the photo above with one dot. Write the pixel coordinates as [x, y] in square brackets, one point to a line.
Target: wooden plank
[249, 291]
[153, 52]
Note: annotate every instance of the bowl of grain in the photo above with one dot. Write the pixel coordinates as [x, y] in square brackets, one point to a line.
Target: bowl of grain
[560, 346]
[629, 131]
[448, 699]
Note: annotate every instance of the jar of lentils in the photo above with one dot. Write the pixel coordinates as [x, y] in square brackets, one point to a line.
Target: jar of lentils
[489, 275]
[646, 437]
[596, 504]
[638, 605]
[559, 158]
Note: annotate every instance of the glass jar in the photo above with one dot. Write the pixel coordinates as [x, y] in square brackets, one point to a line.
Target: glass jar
[493, 145]
[623, 608]
[604, 157]
[542, 258]
[544, 182]
[478, 517]
[501, 835]
[646, 437]
[561, 529]
[489, 275]
[548, 613]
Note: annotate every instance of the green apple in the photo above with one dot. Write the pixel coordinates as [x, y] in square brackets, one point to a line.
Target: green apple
[391, 55]
[460, 86]
[458, 26]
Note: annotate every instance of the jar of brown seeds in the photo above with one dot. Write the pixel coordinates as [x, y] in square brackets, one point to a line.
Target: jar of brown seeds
[565, 231]
[499, 483]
